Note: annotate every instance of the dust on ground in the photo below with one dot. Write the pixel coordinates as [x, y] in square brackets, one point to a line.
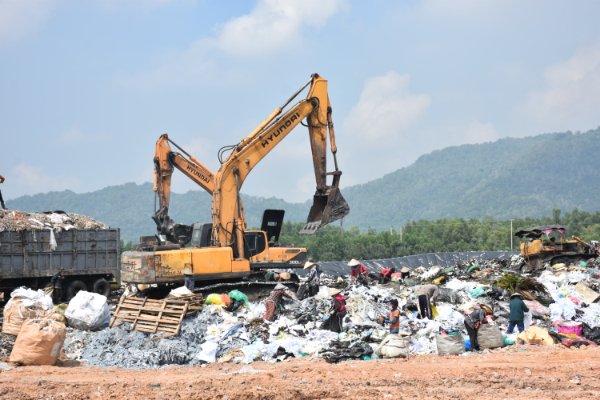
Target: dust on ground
[516, 372]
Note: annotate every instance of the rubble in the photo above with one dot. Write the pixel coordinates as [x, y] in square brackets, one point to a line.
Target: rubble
[14, 220]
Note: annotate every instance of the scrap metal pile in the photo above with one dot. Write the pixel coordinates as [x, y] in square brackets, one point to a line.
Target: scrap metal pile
[14, 220]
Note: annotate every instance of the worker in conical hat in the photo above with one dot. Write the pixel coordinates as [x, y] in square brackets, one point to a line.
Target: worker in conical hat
[359, 272]
[313, 279]
[274, 301]
[335, 321]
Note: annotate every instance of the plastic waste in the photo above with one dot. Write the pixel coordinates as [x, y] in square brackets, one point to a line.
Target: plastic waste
[88, 311]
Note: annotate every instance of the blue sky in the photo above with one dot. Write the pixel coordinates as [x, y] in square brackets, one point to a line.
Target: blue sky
[87, 86]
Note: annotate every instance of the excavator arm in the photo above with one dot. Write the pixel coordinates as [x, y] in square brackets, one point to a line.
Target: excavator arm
[328, 206]
[165, 160]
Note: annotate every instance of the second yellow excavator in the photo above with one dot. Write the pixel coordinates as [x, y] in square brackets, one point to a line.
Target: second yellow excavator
[226, 248]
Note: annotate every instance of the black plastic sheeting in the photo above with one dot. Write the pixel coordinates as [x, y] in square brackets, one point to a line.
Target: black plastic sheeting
[340, 268]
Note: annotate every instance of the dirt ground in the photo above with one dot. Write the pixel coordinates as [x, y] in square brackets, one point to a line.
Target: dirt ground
[519, 372]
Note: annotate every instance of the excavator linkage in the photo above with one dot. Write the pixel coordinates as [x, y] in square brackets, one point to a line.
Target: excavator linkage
[327, 207]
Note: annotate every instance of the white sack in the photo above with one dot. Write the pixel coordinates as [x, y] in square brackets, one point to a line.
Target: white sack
[88, 311]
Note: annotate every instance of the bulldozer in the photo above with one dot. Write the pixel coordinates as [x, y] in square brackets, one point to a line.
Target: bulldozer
[549, 244]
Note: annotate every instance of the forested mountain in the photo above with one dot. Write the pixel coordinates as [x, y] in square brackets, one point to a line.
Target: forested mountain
[509, 178]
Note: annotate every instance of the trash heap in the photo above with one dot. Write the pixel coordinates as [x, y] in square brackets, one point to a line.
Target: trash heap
[14, 220]
[562, 299]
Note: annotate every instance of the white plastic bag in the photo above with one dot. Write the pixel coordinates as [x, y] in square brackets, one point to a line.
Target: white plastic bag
[528, 319]
[209, 351]
[53, 244]
[88, 311]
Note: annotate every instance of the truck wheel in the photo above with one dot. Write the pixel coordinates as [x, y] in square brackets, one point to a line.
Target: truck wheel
[74, 287]
[102, 286]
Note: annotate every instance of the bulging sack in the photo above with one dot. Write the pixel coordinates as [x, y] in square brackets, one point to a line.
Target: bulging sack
[24, 304]
[393, 346]
[450, 344]
[490, 337]
[39, 342]
[15, 313]
[88, 311]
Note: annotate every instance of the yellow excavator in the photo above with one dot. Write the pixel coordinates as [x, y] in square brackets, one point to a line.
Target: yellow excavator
[225, 248]
[165, 160]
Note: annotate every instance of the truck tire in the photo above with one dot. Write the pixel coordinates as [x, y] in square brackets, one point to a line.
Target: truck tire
[102, 286]
[74, 287]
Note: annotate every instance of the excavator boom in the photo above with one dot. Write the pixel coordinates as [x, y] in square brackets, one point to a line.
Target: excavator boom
[164, 161]
[329, 205]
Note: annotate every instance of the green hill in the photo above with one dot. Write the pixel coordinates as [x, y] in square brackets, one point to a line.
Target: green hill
[510, 178]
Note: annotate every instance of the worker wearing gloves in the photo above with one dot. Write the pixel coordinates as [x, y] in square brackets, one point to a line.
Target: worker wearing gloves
[394, 318]
[426, 297]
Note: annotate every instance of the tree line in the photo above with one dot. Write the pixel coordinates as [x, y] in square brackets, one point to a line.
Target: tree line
[432, 236]
[428, 236]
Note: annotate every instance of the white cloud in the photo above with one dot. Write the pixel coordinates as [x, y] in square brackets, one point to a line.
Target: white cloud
[19, 18]
[385, 109]
[571, 94]
[479, 132]
[270, 27]
[273, 24]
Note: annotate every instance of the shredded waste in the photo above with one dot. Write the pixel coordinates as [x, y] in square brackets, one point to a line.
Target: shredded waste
[14, 220]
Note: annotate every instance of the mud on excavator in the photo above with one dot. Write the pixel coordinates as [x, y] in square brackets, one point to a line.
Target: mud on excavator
[224, 248]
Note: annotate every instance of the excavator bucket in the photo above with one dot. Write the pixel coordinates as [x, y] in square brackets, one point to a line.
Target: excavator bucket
[327, 207]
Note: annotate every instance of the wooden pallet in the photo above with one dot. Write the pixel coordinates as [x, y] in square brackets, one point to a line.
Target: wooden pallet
[152, 316]
[195, 301]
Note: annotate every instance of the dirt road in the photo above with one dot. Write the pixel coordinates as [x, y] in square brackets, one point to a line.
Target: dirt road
[519, 372]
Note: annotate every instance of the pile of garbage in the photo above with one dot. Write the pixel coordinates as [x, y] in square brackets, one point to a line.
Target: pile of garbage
[14, 220]
[562, 299]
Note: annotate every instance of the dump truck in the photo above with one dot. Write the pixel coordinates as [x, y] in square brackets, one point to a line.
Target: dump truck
[30, 257]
